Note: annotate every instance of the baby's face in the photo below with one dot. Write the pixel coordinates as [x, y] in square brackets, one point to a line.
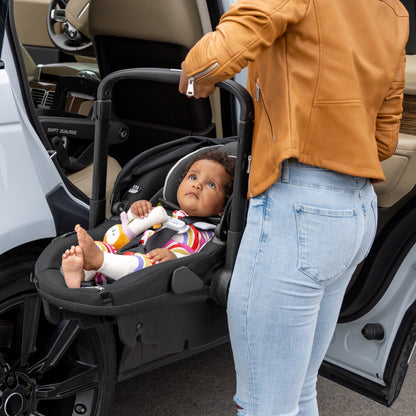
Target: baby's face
[202, 190]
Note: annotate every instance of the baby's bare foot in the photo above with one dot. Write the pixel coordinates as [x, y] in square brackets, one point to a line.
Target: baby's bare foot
[93, 256]
[73, 266]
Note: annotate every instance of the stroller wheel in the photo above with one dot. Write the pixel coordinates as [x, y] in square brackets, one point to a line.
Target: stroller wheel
[48, 369]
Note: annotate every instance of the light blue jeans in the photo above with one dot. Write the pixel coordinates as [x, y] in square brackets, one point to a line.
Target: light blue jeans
[303, 240]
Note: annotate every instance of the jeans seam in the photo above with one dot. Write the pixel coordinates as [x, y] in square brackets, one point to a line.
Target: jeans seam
[253, 271]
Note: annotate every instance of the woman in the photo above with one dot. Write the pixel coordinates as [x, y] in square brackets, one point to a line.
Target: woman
[327, 79]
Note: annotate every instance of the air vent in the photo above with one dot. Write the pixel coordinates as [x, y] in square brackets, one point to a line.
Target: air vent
[42, 98]
[38, 96]
[49, 99]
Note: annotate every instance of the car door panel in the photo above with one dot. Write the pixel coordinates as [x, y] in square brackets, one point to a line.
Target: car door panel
[375, 336]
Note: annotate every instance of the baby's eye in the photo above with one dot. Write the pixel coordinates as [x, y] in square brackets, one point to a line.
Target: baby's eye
[192, 177]
[212, 185]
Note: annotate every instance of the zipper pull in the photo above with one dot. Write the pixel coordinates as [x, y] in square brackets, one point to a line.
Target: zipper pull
[248, 164]
[257, 92]
[190, 90]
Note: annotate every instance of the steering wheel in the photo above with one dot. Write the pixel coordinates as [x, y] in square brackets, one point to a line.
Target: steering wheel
[70, 40]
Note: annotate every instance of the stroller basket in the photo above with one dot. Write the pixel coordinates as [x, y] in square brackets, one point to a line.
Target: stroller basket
[165, 304]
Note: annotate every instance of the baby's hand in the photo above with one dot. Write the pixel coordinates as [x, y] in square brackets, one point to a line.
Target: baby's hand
[141, 208]
[160, 254]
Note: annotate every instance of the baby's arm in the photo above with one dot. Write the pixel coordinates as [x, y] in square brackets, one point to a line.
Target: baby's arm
[160, 254]
[141, 208]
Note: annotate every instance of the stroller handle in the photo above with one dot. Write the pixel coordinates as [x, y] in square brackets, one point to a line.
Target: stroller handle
[172, 76]
[102, 115]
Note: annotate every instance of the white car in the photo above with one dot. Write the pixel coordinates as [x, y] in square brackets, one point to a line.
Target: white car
[57, 358]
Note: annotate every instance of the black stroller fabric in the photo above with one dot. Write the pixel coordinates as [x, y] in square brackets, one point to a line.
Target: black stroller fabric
[162, 303]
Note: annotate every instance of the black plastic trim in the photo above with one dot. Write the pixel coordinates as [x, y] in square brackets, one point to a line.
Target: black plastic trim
[65, 211]
[129, 369]
[401, 350]
[411, 44]
[355, 382]
[3, 15]
[388, 251]
[107, 309]
[216, 10]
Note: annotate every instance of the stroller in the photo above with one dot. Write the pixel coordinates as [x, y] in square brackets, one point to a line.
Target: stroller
[174, 305]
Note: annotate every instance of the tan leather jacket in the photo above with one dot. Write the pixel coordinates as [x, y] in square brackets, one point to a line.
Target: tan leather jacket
[326, 76]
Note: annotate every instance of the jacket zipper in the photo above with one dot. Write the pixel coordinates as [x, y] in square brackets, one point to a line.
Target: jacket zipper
[191, 80]
[259, 96]
[249, 164]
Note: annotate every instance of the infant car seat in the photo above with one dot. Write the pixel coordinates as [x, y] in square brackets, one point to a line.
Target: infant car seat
[170, 305]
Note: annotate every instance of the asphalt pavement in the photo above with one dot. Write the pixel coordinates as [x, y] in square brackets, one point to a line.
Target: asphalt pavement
[204, 385]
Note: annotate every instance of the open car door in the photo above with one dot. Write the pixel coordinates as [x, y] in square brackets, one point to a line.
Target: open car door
[376, 334]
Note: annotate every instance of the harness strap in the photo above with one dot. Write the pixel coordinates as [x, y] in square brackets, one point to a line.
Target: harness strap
[159, 238]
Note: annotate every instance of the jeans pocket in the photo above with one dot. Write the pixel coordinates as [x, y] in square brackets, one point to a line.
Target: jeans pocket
[326, 241]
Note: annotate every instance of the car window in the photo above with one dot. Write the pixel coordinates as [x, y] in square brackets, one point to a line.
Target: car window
[3, 11]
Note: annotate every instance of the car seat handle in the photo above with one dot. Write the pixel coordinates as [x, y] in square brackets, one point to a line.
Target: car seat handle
[103, 113]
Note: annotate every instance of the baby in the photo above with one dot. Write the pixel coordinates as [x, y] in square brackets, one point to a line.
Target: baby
[202, 192]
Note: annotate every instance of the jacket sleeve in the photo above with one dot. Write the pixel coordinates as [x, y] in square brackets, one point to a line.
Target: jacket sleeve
[244, 32]
[390, 114]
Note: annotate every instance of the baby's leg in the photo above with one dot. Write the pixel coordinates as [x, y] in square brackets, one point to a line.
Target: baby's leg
[117, 266]
[73, 266]
[93, 255]
[110, 264]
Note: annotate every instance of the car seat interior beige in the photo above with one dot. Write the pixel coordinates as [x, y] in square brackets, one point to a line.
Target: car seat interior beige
[83, 180]
[30, 20]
